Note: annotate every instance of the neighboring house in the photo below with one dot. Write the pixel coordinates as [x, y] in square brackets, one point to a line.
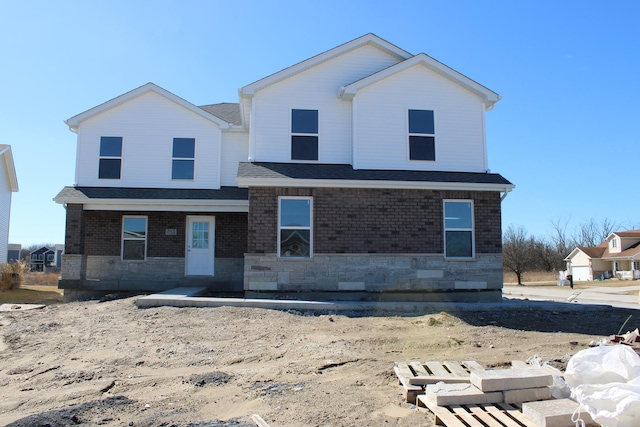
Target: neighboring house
[360, 173]
[41, 259]
[8, 185]
[13, 252]
[618, 256]
[46, 258]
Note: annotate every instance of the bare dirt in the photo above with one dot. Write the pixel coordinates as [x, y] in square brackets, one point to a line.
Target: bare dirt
[112, 364]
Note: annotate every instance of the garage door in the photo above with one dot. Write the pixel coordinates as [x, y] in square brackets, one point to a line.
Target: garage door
[581, 273]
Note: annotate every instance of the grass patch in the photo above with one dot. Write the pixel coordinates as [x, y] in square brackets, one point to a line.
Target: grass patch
[31, 295]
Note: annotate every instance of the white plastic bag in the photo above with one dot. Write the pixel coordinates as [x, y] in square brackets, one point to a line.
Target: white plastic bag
[606, 381]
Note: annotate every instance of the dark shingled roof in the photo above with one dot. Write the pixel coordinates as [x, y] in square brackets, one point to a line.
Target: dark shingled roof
[224, 193]
[346, 172]
[227, 111]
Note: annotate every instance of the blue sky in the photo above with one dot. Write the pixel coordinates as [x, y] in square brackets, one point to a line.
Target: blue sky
[566, 132]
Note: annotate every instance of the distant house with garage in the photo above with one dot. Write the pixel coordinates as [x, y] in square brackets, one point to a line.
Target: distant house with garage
[618, 256]
[359, 173]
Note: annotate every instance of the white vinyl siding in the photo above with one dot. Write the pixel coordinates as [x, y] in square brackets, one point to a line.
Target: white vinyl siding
[235, 149]
[148, 125]
[315, 88]
[380, 123]
[5, 210]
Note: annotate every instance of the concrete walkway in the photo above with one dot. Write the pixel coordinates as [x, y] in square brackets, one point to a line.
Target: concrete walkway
[515, 297]
[622, 297]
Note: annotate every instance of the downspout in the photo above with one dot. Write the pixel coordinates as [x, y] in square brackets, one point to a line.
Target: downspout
[504, 196]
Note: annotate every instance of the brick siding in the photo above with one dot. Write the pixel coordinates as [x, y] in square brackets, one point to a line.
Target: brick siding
[374, 221]
[102, 233]
[74, 230]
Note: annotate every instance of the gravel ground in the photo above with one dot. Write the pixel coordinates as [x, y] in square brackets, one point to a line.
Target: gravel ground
[110, 363]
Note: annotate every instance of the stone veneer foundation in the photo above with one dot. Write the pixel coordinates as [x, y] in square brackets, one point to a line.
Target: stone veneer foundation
[413, 277]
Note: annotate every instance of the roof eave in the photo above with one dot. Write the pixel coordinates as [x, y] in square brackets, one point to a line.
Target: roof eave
[7, 156]
[489, 97]
[379, 184]
[155, 205]
[250, 89]
[75, 121]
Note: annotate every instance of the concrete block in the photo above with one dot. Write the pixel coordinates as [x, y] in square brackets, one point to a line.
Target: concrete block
[263, 286]
[459, 394]
[351, 286]
[511, 379]
[553, 413]
[527, 395]
[460, 284]
[430, 274]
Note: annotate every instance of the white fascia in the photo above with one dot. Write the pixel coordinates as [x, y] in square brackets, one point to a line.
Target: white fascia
[159, 205]
[400, 185]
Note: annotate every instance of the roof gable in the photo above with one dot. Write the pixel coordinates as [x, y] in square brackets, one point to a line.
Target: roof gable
[590, 251]
[42, 250]
[489, 97]
[367, 39]
[625, 234]
[9, 167]
[75, 121]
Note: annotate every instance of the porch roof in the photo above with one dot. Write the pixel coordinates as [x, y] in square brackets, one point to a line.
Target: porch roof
[229, 199]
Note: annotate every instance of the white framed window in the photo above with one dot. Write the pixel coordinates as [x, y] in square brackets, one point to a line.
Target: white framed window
[183, 158]
[134, 238]
[110, 163]
[636, 265]
[422, 138]
[459, 236]
[295, 229]
[614, 243]
[304, 134]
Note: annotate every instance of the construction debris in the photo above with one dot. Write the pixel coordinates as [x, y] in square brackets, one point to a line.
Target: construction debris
[462, 394]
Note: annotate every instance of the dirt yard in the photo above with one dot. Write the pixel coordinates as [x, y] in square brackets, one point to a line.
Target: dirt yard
[112, 364]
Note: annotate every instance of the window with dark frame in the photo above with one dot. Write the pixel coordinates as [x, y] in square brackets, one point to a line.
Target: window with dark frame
[183, 158]
[458, 229]
[422, 141]
[295, 233]
[110, 164]
[134, 238]
[304, 134]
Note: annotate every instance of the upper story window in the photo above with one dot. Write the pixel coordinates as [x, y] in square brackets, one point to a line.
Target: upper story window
[458, 229]
[295, 233]
[134, 237]
[304, 134]
[110, 157]
[614, 243]
[183, 159]
[422, 141]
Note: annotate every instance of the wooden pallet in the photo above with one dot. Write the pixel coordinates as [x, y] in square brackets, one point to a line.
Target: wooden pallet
[494, 415]
[413, 376]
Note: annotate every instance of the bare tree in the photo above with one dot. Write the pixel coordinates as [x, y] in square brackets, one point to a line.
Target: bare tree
[592, 232]
[517, 251]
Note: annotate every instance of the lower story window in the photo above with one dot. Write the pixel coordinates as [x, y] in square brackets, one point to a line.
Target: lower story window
[458, 229]
[134, 238]
[636, 265]
[295, 234]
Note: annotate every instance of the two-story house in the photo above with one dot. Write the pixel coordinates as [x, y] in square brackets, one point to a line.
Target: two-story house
[360, 173]
[618, 256]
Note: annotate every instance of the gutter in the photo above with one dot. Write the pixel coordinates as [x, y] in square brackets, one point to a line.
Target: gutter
[507, 190]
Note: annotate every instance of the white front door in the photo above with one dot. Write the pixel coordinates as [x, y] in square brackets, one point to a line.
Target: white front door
[200, 245]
